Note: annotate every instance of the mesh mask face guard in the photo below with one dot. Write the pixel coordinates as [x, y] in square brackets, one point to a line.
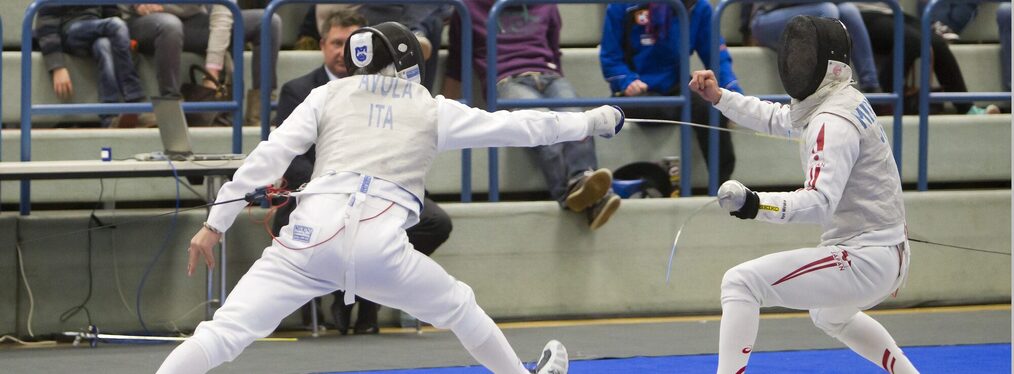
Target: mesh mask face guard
[807, 44]
[371, 49]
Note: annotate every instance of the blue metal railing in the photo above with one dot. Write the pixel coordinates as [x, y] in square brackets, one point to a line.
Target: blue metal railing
[925, 97]
[27, 109]
[896, 97]
[466, 65]
[492, 27]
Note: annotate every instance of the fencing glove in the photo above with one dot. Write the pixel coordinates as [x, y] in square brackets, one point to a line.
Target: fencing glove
[605, 121]
[738, 200]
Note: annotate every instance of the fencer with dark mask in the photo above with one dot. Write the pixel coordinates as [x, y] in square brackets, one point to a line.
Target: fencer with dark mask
[852, 189]
[377, 134]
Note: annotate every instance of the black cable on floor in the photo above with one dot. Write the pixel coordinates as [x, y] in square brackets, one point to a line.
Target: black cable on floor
[165, 245]
[82, 306]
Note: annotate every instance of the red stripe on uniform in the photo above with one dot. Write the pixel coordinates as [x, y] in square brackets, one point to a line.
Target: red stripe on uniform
[887, 354]
[798, 271]
[741, 370]
[813, 269]
[820, 139]
[815, 171]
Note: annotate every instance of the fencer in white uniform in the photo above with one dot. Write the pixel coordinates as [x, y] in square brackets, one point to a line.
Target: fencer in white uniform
[377, 133]
[852, 189]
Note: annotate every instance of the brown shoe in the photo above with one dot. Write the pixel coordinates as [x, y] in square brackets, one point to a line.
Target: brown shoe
[588, 188]
[600, 213]
[147, 120]
[124, 121]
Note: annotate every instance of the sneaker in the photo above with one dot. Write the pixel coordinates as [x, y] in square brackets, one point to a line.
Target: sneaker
[945, 32]
[587, 189]
[989, 109]
[599, 214]
[553, 359]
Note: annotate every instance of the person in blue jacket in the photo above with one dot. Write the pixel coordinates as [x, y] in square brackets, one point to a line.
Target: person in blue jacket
[639, 56]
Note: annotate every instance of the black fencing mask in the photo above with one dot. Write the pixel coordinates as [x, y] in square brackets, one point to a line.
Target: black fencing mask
[370, 50]
[807, 44]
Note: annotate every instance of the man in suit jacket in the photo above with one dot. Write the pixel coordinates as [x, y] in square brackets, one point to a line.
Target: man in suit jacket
[434, 225]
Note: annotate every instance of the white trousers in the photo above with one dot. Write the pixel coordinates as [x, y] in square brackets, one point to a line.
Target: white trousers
[834, 283]
[855, 278]
[388, 271]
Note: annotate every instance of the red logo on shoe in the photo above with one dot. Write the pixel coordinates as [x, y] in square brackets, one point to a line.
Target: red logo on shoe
[747, 350]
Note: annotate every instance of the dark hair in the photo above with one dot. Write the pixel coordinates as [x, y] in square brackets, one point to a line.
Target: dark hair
[342, 17]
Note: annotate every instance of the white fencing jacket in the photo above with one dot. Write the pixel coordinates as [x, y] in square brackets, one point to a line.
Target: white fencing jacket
[851, 185]
[387, 128]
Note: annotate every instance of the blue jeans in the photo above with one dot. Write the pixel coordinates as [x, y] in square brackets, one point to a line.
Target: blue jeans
[166, 36]
[561, 161]
[768, 26]
[1003, 23]
[954, 15]
[107, 41]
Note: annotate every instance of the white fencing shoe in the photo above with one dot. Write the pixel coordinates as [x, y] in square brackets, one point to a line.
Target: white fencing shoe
[553, 359]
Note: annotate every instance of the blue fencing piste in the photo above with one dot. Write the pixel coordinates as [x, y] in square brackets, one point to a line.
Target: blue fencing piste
[925, 97]
[683, 100]
[27, 109]
[466, 65]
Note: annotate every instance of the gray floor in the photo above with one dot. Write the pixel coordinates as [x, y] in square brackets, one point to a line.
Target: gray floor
[441, 349]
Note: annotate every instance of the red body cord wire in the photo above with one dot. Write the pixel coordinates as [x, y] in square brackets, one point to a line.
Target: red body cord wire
[274, 208]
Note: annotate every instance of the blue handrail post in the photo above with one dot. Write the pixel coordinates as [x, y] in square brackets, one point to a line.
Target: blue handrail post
[466, 65]
[896, 97]
[27, 109]
[925, 97]
[493, 104]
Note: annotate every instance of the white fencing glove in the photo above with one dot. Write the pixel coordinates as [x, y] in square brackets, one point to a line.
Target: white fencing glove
[605, 121]
[738, 200]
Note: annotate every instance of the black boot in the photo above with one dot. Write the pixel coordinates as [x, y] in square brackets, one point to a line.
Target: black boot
[366, 318]
[341, 313]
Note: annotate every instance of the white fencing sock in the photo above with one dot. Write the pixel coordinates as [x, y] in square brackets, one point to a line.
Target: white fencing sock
[870, 339]
[740, 321]
[187, 358]
[496, 354]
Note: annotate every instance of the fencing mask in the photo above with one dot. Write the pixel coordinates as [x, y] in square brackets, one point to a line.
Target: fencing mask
[807, 44]
[371, 50]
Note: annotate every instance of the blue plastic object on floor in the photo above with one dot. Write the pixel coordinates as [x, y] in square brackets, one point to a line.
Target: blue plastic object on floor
[983, 358]
[625, 188]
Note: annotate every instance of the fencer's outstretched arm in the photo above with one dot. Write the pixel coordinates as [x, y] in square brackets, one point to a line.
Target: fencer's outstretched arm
[460, 126]
[763, 116]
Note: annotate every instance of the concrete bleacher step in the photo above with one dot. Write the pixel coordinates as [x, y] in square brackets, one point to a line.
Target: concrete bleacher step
[962, 149]
[755, 67]
[561, 269]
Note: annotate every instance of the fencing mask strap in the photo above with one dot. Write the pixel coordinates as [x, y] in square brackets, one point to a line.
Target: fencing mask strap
[807, 44]
[370, 50]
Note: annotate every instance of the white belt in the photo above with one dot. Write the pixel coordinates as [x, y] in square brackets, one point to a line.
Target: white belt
[904, 260]
[352, 216]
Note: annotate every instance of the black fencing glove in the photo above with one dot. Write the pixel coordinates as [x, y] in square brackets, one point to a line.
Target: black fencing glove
[738, 200]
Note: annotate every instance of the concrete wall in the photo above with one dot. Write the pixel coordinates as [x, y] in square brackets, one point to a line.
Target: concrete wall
[8, 273]
[524, 260]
